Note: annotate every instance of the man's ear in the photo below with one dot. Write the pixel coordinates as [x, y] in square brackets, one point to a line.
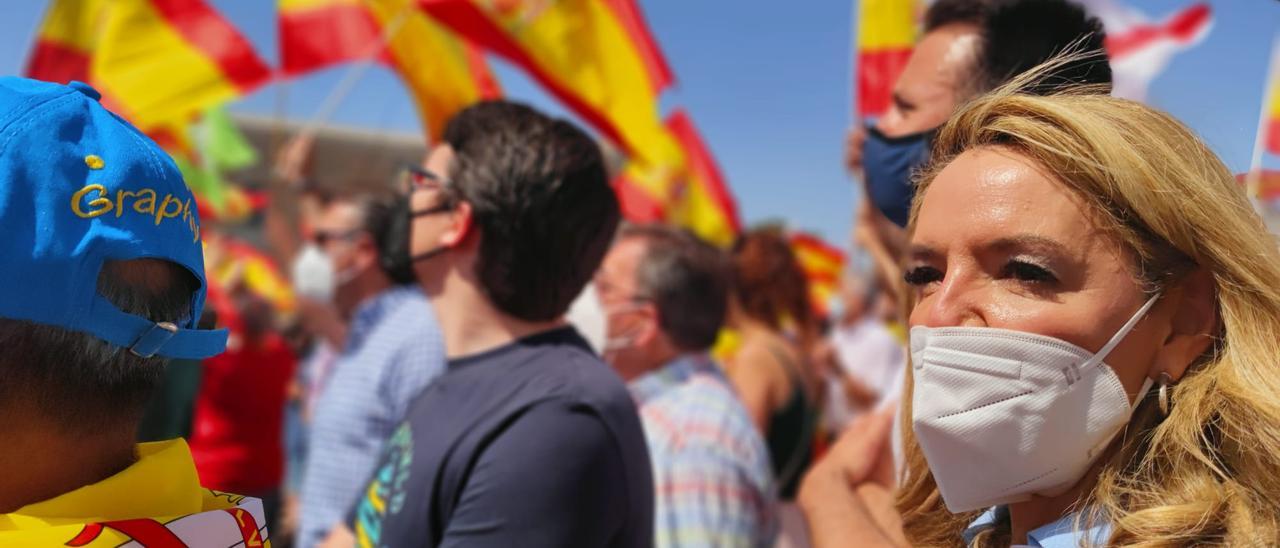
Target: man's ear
[461, 222]
[1193, 324]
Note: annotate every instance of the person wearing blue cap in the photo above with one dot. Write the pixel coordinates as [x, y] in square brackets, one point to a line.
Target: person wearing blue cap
[102, 281]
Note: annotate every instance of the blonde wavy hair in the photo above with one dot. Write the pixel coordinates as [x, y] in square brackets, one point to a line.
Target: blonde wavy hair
[1209, 472]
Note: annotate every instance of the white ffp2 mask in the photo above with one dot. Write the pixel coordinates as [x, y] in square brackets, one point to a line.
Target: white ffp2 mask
[1002, 415]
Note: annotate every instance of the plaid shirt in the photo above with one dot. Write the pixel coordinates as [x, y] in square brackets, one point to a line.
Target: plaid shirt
[393, 350]
[713, 482]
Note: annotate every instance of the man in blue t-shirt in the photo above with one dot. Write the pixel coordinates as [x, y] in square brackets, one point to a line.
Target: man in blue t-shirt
[527, 439]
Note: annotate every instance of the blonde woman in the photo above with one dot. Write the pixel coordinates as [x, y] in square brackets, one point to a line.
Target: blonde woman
[1095, 333]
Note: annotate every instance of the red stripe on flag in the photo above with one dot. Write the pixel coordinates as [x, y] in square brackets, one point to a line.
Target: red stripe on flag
[632, 19]
[814, 244]
[1181, 27]
[637, 205]
[466, 19]
[486, 82]
[87, 534]
[207, 31]
[54, 62]
[704, 166]
[1273, 135]
[877, 73]
[316, 38]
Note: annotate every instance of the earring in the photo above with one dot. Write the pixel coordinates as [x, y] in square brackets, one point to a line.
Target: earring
[1162, 397]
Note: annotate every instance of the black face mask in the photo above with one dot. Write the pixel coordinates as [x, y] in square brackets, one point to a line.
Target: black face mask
[888, 163]
[397, 256]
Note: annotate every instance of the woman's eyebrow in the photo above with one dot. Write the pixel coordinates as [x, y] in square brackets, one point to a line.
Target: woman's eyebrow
[1027, 242]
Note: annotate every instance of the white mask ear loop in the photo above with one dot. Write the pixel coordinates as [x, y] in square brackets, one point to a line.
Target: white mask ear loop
[1120, 335]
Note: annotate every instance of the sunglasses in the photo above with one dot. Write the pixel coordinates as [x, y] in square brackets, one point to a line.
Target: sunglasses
[414, 178]
[323, 237]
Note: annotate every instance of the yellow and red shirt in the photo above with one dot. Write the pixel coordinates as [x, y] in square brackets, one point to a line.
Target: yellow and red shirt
[156, 502]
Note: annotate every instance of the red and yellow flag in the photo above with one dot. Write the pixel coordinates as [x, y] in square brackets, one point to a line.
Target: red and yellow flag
[686, 189]
[156, 62]
[886, 36]
[595, 56]
[823, 265]
[1273, 113]
[443, 72]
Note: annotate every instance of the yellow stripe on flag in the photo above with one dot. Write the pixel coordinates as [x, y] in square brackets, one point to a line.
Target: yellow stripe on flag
[432, 61]
[151, 71]
[73, 23]
[581, 51]
[886, 24]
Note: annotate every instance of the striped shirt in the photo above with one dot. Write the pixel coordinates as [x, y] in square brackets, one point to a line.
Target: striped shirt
[393, 350]
[713, 484]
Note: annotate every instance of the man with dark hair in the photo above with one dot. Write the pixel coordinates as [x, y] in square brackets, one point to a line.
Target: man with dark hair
[390, 350]
[969, 47]
[665, 294]
[103, 280]
[527, 439]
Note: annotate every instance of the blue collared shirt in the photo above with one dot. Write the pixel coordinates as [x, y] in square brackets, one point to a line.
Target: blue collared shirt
[713, 485]
[393, 350]
[1059, 534]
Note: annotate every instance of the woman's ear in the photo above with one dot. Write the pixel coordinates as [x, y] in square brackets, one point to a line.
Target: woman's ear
[1193, 324]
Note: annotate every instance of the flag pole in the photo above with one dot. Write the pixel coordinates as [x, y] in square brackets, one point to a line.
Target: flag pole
[353, 75]
[853, 62]
[1253, 180]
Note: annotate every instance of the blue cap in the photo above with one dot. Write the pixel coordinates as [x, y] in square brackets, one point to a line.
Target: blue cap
[80, 186]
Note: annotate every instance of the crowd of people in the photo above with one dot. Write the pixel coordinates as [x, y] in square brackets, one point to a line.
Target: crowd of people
[1063, 339]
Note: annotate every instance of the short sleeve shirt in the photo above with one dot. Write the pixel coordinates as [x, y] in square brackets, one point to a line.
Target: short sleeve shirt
[536, 443]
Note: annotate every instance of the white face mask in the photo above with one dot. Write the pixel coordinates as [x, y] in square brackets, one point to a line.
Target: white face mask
[1002, 415]
[624, 341]
[313, 275]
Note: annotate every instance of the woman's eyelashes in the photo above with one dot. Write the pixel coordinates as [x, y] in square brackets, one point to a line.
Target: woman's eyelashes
[1020, 270]
[1024, 270]
[919, 276]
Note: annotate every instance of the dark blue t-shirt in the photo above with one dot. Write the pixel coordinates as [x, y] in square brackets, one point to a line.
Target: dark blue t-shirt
[536, 443]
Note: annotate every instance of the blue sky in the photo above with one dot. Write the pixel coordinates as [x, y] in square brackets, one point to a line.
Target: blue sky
[767, 83]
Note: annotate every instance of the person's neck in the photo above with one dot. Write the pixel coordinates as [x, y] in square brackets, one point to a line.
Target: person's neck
[1027, 516]
[365, 287]
[471, 324]
[42, 461]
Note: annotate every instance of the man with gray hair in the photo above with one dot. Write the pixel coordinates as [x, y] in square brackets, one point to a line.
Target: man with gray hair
[102, 281]
[665, 295]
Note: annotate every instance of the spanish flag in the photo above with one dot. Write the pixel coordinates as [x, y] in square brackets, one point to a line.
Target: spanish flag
[886, 35]
[596, 56]
[443, 72]
[686, 188]
[1273, 108]
[823, 265]
[156, 62]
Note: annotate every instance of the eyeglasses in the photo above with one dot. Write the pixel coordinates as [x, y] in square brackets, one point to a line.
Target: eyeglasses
[323, 237]
[414, 178]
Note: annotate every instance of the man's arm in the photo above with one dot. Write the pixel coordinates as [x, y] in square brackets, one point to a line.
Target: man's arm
[555, 477]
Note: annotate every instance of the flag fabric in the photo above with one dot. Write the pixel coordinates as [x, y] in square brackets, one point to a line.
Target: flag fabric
[595, 56]
[443, 72]
[1139, 48]
[1272, 123]
[886, 35]
[823, 265]
[156, 62]
[218, 147]
[686, 188]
